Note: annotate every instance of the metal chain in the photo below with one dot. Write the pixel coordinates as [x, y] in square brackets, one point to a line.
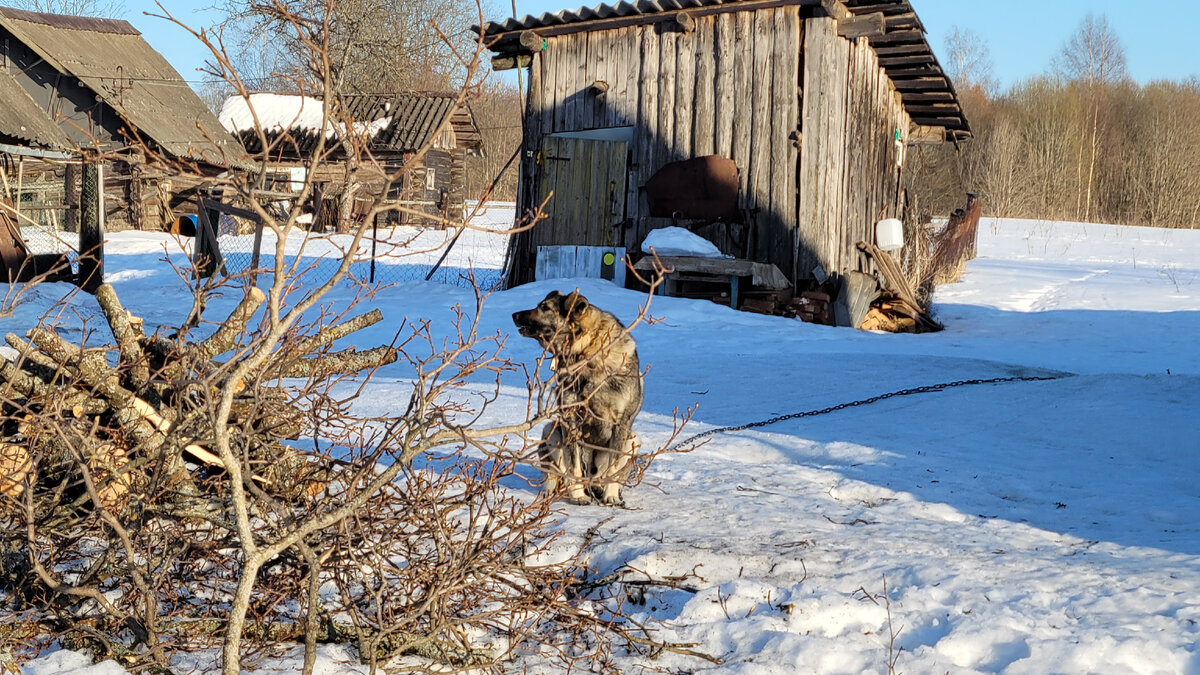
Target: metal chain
[866, 401]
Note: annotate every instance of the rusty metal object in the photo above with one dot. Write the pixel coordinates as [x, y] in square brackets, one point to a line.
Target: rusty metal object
[703, 188]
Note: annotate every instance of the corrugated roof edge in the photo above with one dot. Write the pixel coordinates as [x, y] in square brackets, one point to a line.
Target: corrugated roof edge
[504, 34]
[88, 23]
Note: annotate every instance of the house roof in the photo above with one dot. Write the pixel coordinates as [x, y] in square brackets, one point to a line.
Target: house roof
[903, 50]
[396, 121]
[111, 58]
[21, 118]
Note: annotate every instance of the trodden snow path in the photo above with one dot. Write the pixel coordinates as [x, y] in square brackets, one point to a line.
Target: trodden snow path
[1039, 527]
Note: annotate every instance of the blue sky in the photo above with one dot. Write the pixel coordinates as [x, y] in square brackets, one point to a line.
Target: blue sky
[1022, 35]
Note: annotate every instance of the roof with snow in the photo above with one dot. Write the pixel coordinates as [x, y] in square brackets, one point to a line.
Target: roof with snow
[111, 58]
[397, 121]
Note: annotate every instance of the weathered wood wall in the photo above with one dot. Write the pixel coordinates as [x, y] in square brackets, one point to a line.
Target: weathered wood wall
[734, 86]
[850, 165]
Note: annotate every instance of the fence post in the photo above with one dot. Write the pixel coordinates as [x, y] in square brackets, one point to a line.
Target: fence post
[206, 255]
[91, 227]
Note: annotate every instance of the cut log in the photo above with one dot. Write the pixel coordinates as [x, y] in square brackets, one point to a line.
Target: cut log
[226, 336]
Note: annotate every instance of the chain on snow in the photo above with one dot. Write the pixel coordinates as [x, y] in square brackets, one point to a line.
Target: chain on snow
[866, 401]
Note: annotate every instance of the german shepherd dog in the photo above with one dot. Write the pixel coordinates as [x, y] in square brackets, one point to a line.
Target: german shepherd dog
[589, 445]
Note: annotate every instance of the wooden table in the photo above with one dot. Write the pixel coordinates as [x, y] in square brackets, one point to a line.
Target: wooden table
[733, 270]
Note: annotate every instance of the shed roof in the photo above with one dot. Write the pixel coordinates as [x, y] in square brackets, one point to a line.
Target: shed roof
[395, 121]
[903, 50]
[111, 58]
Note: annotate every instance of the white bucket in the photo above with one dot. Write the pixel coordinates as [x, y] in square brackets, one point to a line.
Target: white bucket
[889, 234]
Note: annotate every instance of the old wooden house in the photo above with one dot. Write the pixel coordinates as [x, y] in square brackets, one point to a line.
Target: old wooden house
[813, 102]
[396, 127]
[76, 86]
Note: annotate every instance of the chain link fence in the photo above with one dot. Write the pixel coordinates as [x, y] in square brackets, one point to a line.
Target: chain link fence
[36, 205]
[388, 254]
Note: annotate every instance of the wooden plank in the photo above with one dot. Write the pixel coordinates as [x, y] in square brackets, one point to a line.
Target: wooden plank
[703, 125]
[759, 180]
[667, 76]
[581, 102]
[646, 137]
[812, 128]
[559, 51]
[723, 112]
[620, 111]
[618, 154]
[782, 74]
[743, 73]
[685, 94]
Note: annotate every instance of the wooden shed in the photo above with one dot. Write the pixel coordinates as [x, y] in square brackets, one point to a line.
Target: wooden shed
[398, 124]
[814, 101]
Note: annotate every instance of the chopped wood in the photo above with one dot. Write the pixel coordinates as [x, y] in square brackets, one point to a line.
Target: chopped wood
[225, 338]
[896, 284]
[15, 465]
[151, 397]
[126, 332]
[348, 360]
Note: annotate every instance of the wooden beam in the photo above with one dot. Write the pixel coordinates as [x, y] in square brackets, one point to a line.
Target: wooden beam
[912, 72]
[920, 84]
[867, 25]
[901, 61]
[507, 41]
[510, 61]
[906, 21]
[919, 134]
[902, 50]
[684, 22]
[951, 123]
[531, 41]
[908, 37]
[836, 9]
[936, 110]
[926, 96]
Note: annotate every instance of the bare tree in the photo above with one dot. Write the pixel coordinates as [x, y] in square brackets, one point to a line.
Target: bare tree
[969, 60]
[100, 8]
[1093, 58]
[375, 45]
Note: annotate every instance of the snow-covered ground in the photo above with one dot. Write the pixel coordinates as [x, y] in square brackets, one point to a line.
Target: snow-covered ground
[1033, 527]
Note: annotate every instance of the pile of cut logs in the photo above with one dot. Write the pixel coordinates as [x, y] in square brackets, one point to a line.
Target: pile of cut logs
[811, 307]
[144, 405]
[896, 309]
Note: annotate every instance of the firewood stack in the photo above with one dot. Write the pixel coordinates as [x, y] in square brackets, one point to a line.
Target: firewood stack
[811, 307]
[144, 406]
[897, 310]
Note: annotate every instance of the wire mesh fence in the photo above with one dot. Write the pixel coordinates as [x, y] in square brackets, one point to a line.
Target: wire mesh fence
[387, 254]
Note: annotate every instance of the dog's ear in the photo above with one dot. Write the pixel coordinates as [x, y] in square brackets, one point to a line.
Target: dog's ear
[574, 304]
[552, 295]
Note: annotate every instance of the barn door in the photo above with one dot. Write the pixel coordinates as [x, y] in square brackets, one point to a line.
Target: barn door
[585, 182]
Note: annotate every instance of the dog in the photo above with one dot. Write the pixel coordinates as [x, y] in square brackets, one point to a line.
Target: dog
[589, 445]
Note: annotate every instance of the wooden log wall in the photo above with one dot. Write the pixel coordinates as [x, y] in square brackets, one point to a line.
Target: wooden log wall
[807, 116]
[850, 167]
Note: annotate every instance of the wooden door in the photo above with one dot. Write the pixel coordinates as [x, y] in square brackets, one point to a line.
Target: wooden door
[584, 181]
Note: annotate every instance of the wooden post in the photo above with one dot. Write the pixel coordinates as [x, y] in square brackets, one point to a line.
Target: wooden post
[91, 229]
[206, 256]
[71, 192]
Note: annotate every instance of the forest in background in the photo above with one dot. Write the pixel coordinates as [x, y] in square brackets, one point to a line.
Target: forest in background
[1081, 142]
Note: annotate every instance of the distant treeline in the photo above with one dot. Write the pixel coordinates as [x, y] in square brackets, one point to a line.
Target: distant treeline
[1081, 143]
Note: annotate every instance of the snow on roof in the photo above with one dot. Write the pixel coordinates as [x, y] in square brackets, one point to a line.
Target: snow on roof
[274, 112]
